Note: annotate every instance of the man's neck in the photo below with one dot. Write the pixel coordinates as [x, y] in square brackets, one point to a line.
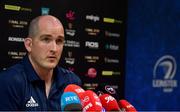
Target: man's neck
[46, 75]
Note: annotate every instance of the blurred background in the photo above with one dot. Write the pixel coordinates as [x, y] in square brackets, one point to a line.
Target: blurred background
[132, 46]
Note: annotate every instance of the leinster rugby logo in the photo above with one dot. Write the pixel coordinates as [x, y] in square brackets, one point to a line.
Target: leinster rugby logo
[164, 72]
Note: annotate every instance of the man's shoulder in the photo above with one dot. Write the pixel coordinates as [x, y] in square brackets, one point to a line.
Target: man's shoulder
[13, 73]
[69, 75]
[65, 71]
[12, 85]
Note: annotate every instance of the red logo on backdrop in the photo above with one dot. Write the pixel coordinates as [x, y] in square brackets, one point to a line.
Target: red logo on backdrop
[92, 73]
[70, 15]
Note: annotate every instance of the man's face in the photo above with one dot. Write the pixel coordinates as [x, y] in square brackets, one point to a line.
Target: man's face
[47, 46]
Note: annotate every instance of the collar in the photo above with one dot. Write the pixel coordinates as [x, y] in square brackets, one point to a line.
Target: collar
[29, 70]
[59, 76]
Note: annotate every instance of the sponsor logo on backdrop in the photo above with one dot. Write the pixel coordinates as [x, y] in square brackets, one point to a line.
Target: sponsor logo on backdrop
[92, 18]
[71, 43]
[164, 72]
[110, 72]
[92, 31]
[111, 60]
[111, 20]
[70, 15]
[17, 23]
[112, 47]
[92, 45]
[91, 59]
[16, 54]
[15, 39]
[90, 86]
[44, 11]
[69, 59]
[92, 73]
[111, 34]
[70, 32]
[111, 89]
[17, 8]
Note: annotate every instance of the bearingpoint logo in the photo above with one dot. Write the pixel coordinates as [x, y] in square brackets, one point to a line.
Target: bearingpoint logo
[164, 72]
[17, 8]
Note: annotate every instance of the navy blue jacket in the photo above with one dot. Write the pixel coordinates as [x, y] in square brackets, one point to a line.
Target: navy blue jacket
[22, 89]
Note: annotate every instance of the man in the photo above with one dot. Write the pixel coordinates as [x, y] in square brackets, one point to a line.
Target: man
[37, 83]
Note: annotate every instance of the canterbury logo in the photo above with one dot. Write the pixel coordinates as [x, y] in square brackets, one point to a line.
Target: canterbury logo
[31, 103]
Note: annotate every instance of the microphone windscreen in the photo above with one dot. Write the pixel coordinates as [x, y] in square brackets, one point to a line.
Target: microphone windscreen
[126, 106]
[74, 88]
[70, 102]
[91, 102]
[109, 102]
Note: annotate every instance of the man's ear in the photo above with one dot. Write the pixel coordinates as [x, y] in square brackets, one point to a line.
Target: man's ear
[28, 43]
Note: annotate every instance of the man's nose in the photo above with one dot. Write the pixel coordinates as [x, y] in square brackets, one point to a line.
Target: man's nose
[53, 46]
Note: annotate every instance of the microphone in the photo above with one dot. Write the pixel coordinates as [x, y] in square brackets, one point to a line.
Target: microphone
[70, 102]
[126, 106]
[74, 88]
[91, 102]
[109, 102]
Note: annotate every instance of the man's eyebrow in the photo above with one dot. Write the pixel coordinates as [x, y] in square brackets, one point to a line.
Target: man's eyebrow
[45, 35]
[61, 37]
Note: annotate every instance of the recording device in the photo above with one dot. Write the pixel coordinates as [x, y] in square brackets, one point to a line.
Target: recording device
[91, 102]
[126, 106]
[74, 88]
[109, 102]
[70, 102]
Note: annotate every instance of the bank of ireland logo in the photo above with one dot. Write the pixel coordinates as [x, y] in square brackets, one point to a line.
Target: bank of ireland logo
[164, 72]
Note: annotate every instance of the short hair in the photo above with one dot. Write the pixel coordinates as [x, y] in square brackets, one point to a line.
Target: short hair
[34, 27]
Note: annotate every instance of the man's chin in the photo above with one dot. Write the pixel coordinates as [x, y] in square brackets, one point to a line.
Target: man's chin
[51, 66]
